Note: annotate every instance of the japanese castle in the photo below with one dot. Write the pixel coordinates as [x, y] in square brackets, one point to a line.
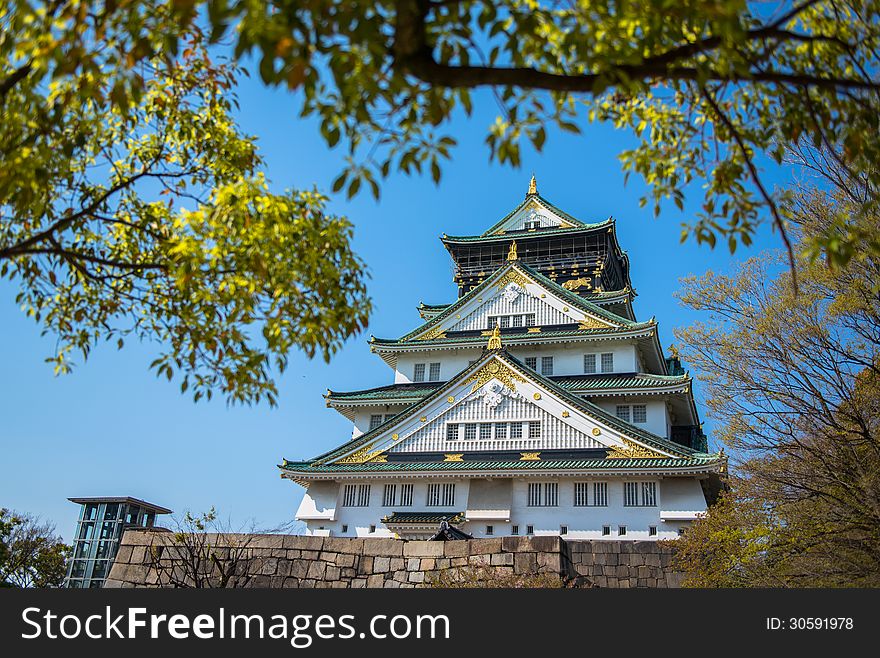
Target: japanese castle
[535, 404]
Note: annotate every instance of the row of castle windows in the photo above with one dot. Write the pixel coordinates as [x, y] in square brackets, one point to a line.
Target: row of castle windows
[540, 494]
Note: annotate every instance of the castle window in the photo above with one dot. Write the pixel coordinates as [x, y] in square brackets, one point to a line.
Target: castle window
[516, 430]
[530, 529]
[543, 494]
[530, 319]
[500, 430]
[608, 362]
[623, 412]
[389, 495]
[534, 429]
[419, 372]
[375, 421]
[356, 495]
[441, 495]
[517, 321]
[652, 531]
[514, 530]
[490, 530]
[621, 531]
[452, 432]
[406, 495]
[546, 365]
[434, 373]
[372, 529]
[470, 432]
[504, 321]
[589, 364]
[344, 528]
[606, 530]
[640, 413]
[563, 530]
[532, 362]
[389, 417]
[485, 431]
[580, 494]
[600, 494]
[640, 494]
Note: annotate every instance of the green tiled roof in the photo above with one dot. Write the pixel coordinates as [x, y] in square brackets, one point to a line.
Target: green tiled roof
[574, 383]
[648, 438]
[423, 517]
[527, 235]
[560, 333]
[538, 465]
[392, 392]
[548, 205]
[432, 307]
[582, 383]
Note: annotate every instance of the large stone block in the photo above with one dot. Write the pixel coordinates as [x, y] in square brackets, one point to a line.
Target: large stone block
[344, 544]
[416, 577]
[317, 570]
[423, 548]
[516, 544]
[376, 580]
[454, 548]
[484, 546]
[332, 573]
[265, 541]
[381, 564]
[345, 560]
[298, 568]
[548, 562]
[525, 563]
[385, 547]
[545, 544]
[413, 564]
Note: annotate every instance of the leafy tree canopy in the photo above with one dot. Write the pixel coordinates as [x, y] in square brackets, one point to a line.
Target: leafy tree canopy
[794, 382]
[132, 206]
[31, 554]
[707, 88]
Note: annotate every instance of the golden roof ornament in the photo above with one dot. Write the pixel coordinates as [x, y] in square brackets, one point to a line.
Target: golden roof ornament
[495, 339]
[533, 186]
[511, 255]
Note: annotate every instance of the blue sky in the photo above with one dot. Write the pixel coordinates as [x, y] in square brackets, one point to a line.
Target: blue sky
[113, 428]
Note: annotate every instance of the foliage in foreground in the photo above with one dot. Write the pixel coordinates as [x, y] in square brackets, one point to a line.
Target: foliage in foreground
[31, 554]
[794, 381]
[132, 207]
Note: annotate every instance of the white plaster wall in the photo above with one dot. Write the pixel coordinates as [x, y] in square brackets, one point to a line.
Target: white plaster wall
[451, 362]
[320, 501]
[567, 359]
[655, 410]
[673, 494]
[359, 519]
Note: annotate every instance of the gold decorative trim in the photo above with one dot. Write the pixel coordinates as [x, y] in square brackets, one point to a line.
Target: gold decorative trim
[537, 396]
[633, 451]
[513, 276]
[574, 284]
[450, 399]
[495, 370]
[565, 309]
[495, 339]
[530, 456]
[591, 323]
[395, 436]
[565, 414]
[423, 419]
[381, 458]
[596, 431]
[453, 457]
[361, 455]
[533, 330]
[437, 332]
[511, 255]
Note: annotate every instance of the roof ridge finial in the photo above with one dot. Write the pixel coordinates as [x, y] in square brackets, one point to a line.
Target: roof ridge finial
[495, 338]
[533, 186]
[512, 255]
